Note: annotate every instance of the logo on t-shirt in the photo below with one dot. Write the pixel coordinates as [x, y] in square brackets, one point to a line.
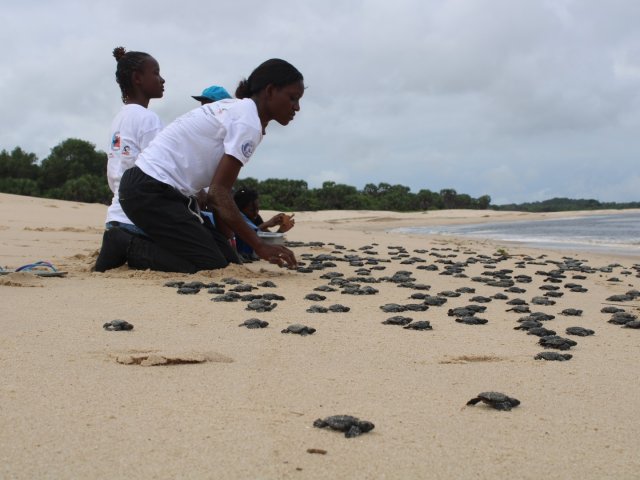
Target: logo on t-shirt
[247, 148]
[126, 151]
[115, 141]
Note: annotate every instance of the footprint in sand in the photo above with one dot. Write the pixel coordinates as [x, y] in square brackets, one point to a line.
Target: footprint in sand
[150, 359]
[463, 359]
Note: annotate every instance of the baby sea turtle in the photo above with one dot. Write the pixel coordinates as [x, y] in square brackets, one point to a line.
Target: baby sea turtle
[555, 341]
[227, 297]
[351, 426]
[528, 324]
[519, 309]
[434, 301]
[392, 308]
[117, 325]
[299, 329]
[267, 284]
[571, 312]
[579, 331]
[254, 323]
[540, 332]
[496, 400]
[338, 308]
[542, 301]
[449, 294]
[611, 310]
[174, 284]
[421, 325]
[632, 324]
[560, 357]
[186, 290]
[325, 288]
[315, 297]
[317, 309]
[622, 318]
[500, 296]
[398, 320]
[461, 312]
[517, 301]
[481, 299]
[261, 305]
[470, 320]
[416, 307]
[272, 296]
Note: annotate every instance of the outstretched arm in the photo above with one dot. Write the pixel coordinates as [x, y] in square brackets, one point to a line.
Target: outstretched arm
[220, 201]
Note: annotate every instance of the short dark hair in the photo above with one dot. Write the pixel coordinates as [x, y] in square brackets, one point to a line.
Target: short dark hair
[244, 196]
[274, 72]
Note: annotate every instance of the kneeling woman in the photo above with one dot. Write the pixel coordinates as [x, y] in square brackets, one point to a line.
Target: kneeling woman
[203, 148]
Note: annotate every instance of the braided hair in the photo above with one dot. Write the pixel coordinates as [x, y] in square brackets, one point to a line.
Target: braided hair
[128, 63]
[274, 72]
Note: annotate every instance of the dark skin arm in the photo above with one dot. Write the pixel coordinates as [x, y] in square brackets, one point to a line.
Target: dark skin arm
[220, 201]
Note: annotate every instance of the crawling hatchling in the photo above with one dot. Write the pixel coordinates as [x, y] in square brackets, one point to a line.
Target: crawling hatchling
[496, 400]
[351, 426]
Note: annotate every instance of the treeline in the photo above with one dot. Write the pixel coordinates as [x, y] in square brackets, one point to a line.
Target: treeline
[565, 204]
[76, 171]
[289, 195]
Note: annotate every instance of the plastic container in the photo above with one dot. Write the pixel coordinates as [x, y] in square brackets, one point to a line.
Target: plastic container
[273, 238]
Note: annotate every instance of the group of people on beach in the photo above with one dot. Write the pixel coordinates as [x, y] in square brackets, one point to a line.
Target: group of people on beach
[173, 206]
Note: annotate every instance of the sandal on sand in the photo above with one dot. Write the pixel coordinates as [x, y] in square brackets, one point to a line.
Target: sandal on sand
[40, 268]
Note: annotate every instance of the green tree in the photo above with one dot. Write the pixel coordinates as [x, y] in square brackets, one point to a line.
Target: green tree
[86, 188]
[18, 164]
[71, 159]
[448, 196]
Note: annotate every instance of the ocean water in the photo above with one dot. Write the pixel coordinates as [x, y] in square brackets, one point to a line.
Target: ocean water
[615, 233]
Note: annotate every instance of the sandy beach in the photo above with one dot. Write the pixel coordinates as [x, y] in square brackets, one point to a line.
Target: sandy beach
[188, 393]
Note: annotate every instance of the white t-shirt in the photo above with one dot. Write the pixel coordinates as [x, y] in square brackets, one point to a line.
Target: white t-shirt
[187, 152]
[132, 130]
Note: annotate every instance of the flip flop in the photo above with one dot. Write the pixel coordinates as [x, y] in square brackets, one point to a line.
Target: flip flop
[40, 268]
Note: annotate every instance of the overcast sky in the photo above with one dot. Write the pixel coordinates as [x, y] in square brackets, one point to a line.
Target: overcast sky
[522, 100]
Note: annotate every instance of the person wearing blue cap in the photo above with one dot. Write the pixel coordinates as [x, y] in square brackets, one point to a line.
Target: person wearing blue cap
[212, 94]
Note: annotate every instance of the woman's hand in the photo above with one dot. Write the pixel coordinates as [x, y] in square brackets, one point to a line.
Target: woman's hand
[277, 254]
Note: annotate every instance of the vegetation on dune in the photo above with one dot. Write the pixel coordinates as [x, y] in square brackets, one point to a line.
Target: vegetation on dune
[75, 170]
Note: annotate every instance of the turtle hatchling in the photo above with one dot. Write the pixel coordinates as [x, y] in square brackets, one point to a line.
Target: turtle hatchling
[351, 426]
[254, 323]
[579, 331]
[540, 332]
[571, 312]
[470, 320]
[496, 400]
[261, 305]
[398, 320]
[299, 329]
[560, 357]
[338, 308]
[555, 341]
[315, 297]
[421, 325]
[115, 325]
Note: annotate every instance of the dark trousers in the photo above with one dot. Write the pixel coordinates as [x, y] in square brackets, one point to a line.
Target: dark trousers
[179, 240]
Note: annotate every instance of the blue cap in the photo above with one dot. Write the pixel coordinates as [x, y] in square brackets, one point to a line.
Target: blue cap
[212, 94]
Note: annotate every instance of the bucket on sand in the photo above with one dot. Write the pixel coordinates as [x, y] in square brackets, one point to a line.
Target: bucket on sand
[272, 238]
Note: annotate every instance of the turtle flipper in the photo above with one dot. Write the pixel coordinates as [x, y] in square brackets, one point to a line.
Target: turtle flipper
[354, 431]
[473, 401]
